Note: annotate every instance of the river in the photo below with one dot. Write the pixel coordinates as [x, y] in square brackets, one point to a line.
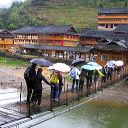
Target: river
[89, 116]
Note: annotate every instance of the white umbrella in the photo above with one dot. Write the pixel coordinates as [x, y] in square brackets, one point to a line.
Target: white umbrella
[62, 67]
[50, 68]
[119, 63]
[111, 63]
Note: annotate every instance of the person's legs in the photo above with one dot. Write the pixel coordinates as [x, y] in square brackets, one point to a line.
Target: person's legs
[34, 96]
[73, 82]
[39, 96]
[29, 91]
[80, 85]
[53, 92]
[77, 84]
[56, 91]
[60, 90]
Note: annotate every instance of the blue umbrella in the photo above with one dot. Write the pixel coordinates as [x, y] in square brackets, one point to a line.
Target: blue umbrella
[89, 67]
[42, 62]
[93, 63]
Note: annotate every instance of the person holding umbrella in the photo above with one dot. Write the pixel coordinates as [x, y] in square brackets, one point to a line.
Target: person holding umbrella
[28, 76]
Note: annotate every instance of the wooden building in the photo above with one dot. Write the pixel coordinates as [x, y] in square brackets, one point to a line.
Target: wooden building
[6, 40]
[54, 41]
[56, 35]
[111, 51]
[108, 45]
[90, 37]
[110, 18]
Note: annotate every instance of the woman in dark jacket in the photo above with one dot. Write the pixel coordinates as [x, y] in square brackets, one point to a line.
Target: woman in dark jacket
[37, 93]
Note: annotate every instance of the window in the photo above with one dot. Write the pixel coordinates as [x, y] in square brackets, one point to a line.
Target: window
[104, 57]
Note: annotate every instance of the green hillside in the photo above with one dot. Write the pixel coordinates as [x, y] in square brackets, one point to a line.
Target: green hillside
[79, 13]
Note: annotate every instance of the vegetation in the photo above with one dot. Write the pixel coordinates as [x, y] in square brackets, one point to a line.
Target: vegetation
[11, 62]
[79, 13]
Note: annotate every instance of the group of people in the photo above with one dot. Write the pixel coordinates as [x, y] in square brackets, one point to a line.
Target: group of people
[79, 77]
[34, 80]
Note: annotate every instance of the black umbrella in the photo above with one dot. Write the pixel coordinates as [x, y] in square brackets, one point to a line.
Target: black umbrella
[42, 62]
[78, 61]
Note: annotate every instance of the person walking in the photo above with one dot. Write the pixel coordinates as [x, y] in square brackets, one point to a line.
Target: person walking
[37, 93]
[82, 79]
[74, 73]
[89, 81]
[28, 76]
[109, 73]
[104, 72]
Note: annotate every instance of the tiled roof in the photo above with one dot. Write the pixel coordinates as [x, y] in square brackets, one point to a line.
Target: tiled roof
[49, 29]
[110, 48]
[113, 10]
[122, 28]
[103, 34]
[6, 34]
[95, 33]
[59, 48]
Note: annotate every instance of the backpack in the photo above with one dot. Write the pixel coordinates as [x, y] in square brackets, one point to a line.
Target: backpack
[54, 79]
[73, 73]
[26, 73]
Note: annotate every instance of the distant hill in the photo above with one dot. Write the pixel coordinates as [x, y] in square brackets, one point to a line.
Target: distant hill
[79, 13]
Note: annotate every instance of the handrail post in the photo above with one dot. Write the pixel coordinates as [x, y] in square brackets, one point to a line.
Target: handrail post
[20, 95]
[51, 103]
[67, 95]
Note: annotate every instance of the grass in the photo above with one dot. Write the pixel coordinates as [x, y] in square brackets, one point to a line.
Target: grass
[78, 16]
[11, 62]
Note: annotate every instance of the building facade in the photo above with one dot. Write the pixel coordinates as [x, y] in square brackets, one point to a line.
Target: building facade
[53, 41]
[110, 18]
[6, 40]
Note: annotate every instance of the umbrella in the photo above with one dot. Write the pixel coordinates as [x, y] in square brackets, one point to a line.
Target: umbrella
[111, 63]
[62, 67]
[78, 61]
[119, 63]
[89, 67]
[50, 68]
[42, 62]
[93, 64]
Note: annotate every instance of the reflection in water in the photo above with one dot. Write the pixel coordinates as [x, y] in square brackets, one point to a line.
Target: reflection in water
[88, 116]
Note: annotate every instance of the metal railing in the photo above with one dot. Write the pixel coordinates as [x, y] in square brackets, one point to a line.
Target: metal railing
[16, 107]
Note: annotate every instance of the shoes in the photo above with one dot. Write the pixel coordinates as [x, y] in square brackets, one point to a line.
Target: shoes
[33, 103]
[39, 105]
[56, 99]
